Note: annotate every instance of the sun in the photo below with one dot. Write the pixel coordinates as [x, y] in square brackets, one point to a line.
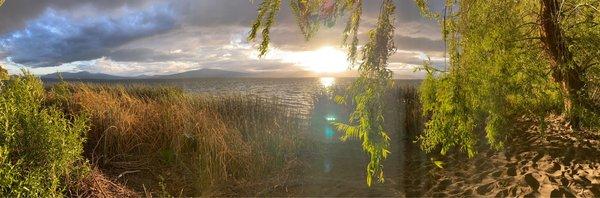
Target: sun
[324, 60]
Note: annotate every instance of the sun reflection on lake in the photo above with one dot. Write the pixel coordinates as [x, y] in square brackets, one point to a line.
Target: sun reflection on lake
[327, 82]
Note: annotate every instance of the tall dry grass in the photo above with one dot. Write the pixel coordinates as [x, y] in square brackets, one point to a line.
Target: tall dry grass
[160, 139]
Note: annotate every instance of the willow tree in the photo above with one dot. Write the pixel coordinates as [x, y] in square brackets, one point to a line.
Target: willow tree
[367, 92]
[510, 59]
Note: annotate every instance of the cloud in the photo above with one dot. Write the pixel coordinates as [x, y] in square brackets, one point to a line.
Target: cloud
[132, 37]
[146, 55]
[108, 66]
[419, 44]
[14, 14]
[57, 37]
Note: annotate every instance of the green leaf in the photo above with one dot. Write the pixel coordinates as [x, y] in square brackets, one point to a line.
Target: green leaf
[439, 164]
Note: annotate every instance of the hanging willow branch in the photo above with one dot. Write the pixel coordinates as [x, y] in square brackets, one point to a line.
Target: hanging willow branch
[351, 32]
[267, 12]
[367, 92]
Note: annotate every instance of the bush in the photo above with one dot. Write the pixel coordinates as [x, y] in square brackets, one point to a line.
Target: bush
[39, 146]
[3, 74]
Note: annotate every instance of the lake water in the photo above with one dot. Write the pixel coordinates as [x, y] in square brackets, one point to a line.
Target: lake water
[296, 93]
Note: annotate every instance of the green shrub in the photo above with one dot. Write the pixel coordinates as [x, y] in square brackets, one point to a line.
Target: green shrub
[3, 74]
[39, 146]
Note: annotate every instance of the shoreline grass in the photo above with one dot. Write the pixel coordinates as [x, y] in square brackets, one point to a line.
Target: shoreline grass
[161, 140]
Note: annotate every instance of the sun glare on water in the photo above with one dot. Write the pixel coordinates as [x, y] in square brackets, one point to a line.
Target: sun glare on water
[327, 82]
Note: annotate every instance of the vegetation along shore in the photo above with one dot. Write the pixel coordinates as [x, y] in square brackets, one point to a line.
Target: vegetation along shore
[154, 98]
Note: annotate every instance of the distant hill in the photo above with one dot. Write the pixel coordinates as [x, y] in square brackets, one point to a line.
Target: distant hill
[81, 76]
[204, 73]
[200, 73]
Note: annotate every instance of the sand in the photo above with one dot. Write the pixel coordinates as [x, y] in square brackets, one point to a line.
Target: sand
[556, 163]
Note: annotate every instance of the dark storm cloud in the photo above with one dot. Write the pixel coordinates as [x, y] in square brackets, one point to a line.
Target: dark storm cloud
[56, 38]
[419, 44]
[15, 13]
[217, 13]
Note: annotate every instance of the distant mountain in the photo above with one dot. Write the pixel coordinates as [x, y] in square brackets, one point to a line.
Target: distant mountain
[204, 73]
[200, 73]
[81, 76]
[143, 76]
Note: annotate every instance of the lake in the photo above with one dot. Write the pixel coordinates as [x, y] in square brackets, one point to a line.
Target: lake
[296, 93]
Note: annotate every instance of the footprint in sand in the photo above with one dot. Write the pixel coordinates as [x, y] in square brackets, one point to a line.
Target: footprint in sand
[327, 165]
[531, 181]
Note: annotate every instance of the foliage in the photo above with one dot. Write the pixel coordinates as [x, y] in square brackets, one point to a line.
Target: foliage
[39, 146]
[499, 69]
[3, 74]
[367, 92]
[266, 18]
[581, 22]
[309, 16]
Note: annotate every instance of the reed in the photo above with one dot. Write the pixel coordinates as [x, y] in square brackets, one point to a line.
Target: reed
[413, 120]
[157, 138]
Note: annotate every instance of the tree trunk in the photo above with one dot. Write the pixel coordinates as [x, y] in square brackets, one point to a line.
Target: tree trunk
[564, 70]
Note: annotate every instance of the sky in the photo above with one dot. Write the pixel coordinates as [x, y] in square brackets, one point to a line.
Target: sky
[153, 37]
